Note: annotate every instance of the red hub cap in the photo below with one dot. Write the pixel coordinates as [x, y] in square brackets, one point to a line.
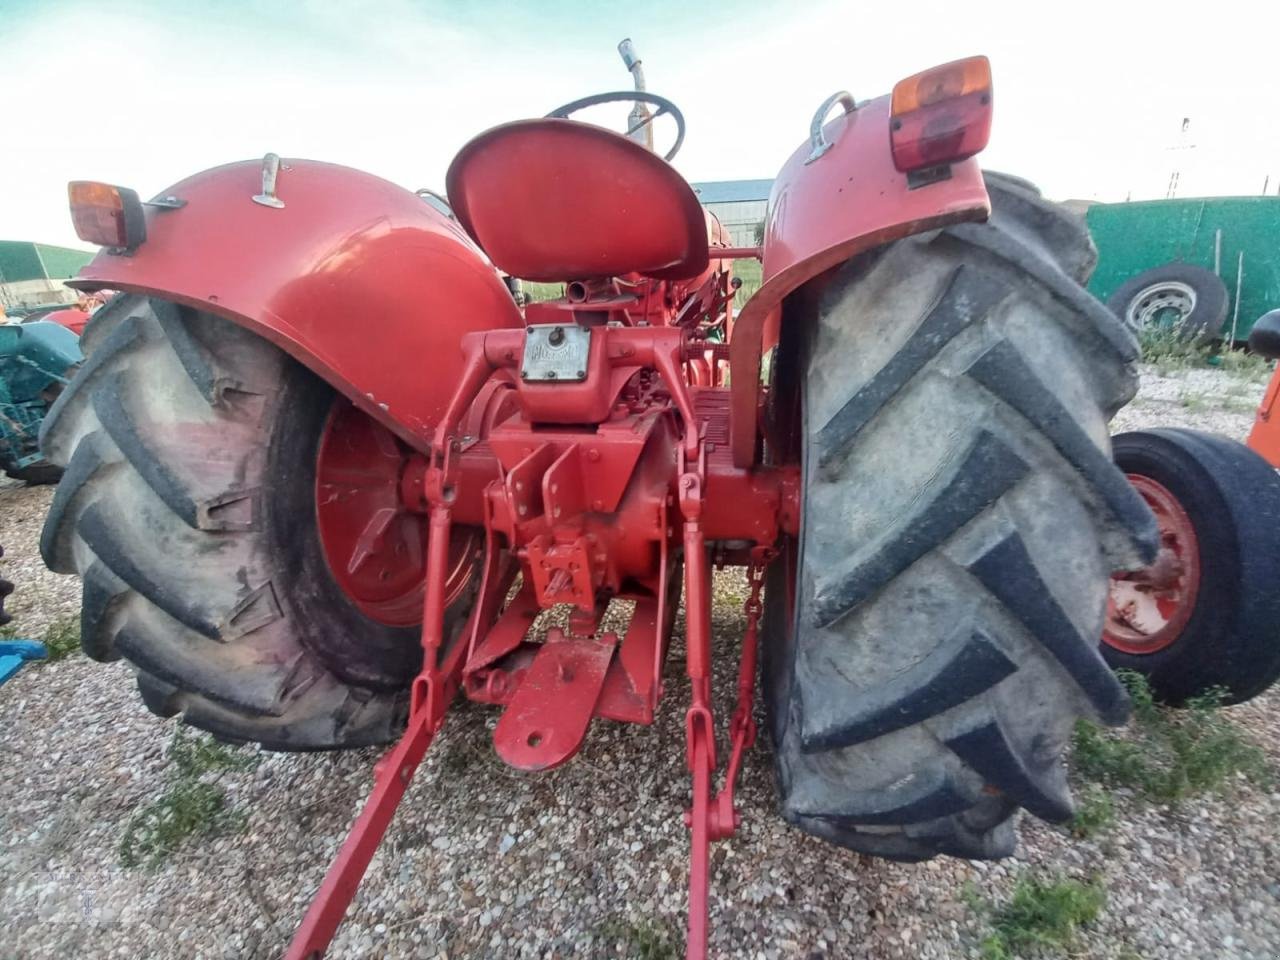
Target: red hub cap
[375, 545]
[1148, 608]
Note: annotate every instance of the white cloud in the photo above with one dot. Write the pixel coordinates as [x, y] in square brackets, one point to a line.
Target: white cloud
[1089, 97]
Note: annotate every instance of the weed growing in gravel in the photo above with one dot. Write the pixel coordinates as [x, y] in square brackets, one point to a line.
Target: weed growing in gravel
[189, 806]
[1094, 814]
[1169, 755]
[1239, 405]
[1042, 913]
[63, 638]
[1250, 366]
[1193, 401]
[638, 940]
[1170, 352]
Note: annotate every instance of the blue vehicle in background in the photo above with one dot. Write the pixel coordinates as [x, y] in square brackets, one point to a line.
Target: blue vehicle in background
[36, 361]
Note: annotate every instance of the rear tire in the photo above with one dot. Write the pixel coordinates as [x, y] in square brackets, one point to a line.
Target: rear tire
[961, 519]
[188, 507]
[1231, 497]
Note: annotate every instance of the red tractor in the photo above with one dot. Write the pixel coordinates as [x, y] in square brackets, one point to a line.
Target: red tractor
[323, 473]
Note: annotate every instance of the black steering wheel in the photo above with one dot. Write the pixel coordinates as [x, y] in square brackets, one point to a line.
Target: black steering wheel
[629, 96]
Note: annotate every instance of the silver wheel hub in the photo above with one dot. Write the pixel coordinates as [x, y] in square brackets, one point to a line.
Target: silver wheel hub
[1167, 304]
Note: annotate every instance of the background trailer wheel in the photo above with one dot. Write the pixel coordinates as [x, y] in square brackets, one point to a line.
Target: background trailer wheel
[238, 530]
[961, 517]
[1206, 613]
[1180, 297]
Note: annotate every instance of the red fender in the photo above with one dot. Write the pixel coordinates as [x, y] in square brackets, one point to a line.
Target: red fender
[1264, 438]
[359, 279]
[824, 212]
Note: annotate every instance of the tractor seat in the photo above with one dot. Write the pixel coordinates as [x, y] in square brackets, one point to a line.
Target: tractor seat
[553, 200]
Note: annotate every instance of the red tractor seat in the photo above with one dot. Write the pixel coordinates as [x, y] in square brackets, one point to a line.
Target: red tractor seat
[554, 200]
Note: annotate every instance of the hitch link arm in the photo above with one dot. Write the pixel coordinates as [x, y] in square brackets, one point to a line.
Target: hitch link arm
[430, 693]
[432, 689]
[711, 818]
[699, 725]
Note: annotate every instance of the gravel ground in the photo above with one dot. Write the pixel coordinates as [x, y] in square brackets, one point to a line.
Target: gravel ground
[483, 861]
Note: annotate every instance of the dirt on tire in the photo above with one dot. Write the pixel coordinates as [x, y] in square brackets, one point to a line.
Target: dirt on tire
[962, 517]
[188, 508]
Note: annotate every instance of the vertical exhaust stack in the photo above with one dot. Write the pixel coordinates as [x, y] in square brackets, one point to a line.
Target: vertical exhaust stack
[638, 126]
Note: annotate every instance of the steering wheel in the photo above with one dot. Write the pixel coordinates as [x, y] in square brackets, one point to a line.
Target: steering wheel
[628, 96]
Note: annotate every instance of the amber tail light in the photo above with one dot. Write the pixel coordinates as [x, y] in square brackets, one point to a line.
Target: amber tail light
[941, 116]
[106, 215]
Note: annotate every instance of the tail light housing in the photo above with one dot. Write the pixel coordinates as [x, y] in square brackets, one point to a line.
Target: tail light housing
[106, 215]
[941, 116]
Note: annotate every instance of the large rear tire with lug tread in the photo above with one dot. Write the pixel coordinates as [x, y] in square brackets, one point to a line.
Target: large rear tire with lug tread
[961, 519]
[189, 507]
[1206, 614]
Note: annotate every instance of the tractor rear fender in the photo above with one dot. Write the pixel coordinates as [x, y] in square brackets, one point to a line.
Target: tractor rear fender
[823, 212]
[358, 279]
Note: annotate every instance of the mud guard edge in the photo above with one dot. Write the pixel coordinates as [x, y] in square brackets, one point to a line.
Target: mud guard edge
[824, 213]
[358, 279]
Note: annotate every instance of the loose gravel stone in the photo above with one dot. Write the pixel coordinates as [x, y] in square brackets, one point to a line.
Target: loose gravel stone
[485, 861]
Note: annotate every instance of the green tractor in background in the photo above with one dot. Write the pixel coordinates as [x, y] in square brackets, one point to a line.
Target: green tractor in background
[36, 361]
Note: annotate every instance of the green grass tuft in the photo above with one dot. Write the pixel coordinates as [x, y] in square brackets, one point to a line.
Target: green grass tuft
[1094, 814]
[1169, 350]
[646, 940]
[1170, 755]
[189, 807]
[62, 639]
[1250, 366]
[1042, 914]
[1194, 401]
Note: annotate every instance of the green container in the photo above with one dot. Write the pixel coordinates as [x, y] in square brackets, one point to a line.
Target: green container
[1132, 237]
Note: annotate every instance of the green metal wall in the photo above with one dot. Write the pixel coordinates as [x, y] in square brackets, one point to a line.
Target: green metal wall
[62, 263]
[20, 261]
[1132, 237]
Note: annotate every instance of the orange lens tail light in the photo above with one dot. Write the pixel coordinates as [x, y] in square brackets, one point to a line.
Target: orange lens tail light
[106, 215]
[942, 115]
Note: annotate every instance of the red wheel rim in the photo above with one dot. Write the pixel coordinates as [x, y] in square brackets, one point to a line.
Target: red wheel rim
[1147, 609]
[374, 545]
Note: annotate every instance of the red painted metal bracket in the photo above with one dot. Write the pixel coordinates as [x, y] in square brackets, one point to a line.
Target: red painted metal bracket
[547, 719]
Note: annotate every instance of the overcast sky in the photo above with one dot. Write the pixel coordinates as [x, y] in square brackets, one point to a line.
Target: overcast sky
[1090, 97]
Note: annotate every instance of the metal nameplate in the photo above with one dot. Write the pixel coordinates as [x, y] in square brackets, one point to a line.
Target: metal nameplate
[555, 351]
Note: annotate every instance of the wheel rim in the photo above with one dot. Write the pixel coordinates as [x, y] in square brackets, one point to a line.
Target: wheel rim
[375, 547]
[1162, 305]
[1147, 609]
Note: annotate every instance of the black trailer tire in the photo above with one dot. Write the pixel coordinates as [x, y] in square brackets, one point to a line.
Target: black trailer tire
[188, 507]
[1232, 498]
[1196, 297]
[961, 519]
[36, 474]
